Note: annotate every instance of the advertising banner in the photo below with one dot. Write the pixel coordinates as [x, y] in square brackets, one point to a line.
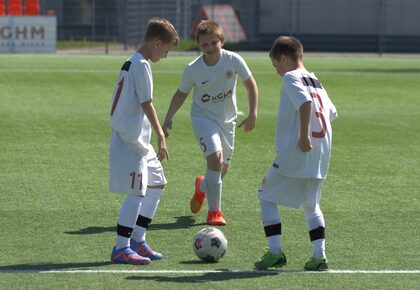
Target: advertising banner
[28, 34]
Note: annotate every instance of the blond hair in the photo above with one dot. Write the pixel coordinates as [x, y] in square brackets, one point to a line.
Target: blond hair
[206, 27]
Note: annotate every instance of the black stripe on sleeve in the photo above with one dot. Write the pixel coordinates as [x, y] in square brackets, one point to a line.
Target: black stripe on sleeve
[126, 65]
[310, 82]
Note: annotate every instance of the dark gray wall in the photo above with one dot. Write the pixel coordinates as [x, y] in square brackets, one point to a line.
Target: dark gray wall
[322, 25]
[341, 25]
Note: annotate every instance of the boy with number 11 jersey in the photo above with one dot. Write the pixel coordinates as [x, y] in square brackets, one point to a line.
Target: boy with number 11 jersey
[134, 166]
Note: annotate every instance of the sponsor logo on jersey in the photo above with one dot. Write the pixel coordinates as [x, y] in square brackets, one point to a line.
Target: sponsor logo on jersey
[205, 98]
[219, 98]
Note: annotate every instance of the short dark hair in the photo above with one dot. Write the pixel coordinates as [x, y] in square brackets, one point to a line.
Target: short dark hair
[206, 27]
[287, 45]
[162, 29]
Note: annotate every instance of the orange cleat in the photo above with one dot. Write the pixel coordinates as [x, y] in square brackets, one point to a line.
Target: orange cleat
[197, 200]
[215, 218]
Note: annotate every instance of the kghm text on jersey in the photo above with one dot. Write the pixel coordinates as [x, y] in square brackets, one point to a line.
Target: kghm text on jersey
[221, 97]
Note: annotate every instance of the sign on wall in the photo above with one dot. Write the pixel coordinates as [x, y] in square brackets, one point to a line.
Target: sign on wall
[28, 34]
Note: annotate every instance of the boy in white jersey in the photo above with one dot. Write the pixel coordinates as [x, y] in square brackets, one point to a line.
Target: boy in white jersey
[135, 168]
[214, 112]
[303, 144]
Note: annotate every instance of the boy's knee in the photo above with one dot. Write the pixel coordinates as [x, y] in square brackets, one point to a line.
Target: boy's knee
[312, 213]
[215, 161]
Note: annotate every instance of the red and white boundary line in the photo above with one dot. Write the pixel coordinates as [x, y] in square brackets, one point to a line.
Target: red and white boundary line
[174, 272]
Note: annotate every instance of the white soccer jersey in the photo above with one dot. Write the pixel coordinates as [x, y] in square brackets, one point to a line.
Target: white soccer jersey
[214, 94]
[134, 87]
[300, 86]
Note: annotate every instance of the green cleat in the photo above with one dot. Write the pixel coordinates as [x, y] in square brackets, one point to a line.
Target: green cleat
[270, 260]
[316, 264]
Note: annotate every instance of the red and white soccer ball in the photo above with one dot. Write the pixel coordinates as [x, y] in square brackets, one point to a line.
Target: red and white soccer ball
[210, 244]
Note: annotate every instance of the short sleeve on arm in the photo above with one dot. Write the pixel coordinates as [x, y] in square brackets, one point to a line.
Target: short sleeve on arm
[333, 112]
[142, 82]
[187, 81]
[295, 90]
[241, 67]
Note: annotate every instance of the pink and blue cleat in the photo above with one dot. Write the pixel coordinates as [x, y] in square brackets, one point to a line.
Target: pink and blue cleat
[143, 249]
[127, 256]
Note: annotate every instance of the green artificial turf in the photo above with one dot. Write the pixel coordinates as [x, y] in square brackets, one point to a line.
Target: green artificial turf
[56, 213]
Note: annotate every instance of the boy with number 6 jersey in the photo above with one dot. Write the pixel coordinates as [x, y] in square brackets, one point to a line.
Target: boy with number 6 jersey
[214, 112]
[303, 143]
[135, 168]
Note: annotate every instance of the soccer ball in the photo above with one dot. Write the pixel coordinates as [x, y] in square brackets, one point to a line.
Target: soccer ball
[210, 244]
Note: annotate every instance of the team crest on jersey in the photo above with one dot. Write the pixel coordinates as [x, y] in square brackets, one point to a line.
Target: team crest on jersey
[229, 74]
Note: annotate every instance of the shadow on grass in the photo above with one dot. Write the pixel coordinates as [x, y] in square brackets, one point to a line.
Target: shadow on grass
[205, 277]
[182, 222]
[51, 266]
[93, 230]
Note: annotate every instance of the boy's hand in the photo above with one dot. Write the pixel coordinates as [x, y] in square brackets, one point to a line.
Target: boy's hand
[162, 150]
[305, 144]
[177, 101]
[167, 125]
[248, 123]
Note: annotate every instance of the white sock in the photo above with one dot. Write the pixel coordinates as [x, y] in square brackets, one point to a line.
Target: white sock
[139, 234]
[314, 220]
[318, 247]
[274, 243]
[122, 242]
[203, 186]
[127, 217]
[213, 180]
[271, 216]
[148, 209]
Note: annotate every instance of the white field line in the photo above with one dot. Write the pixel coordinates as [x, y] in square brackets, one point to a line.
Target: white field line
[148, 272]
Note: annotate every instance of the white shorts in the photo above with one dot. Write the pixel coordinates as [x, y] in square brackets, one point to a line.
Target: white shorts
[290, 191]
[213, 138]
[130, 172]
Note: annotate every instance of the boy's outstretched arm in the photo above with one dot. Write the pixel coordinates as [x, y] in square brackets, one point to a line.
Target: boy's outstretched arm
[150, 112]
[176, 102]
[252, 91]
[305, 116]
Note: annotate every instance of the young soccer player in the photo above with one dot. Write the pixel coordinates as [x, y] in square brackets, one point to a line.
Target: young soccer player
[214, 112]
[135, 168]
[303, 143]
